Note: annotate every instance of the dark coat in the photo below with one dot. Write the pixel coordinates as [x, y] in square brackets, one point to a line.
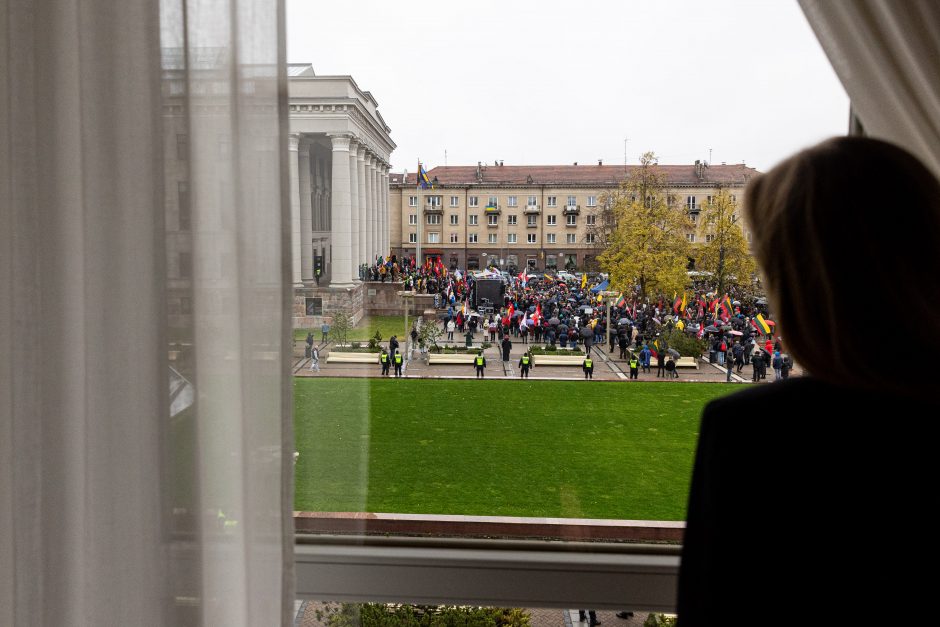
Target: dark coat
[787, 513]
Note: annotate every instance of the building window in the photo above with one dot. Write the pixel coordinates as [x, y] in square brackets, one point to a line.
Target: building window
[454, 219]
[474, 201]
[435, 201]
[473, 238]
[492, 202]
[433, 218]
[511, 220]
[413, 219]
[693, 217]
[592, 201]
[511, 238]
[690, 237]
[454, 201]
[690, 203]
[552, 201]
[511, 201]
[186, 265]
[570, 238]
[473, 220]
[492, 220]
[313, 306]
[530, 238]
[453, 238]
[532, 201]
[572, 201]
[709, 238]
[734, 198]
[552, 220]
[532, 220]
[182, 192]
[550, 238]
[590, 220]
[710, 200]
[434, 238]
[412, 201]
[412, 238]
[589, 238]
[571, 220]
[491, 238]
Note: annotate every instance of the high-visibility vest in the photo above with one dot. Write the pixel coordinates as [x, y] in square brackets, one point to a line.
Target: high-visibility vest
[634, 364]
[397, 358]
[479, 360]
[588, 363]
[525, 361]
[383, 358]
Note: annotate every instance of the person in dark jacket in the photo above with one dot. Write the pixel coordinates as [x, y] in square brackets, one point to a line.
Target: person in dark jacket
[479, 362]
[588, 367]
[821, 457]
[386, 362]
[660, 364]
[506, 346]
[525, 363]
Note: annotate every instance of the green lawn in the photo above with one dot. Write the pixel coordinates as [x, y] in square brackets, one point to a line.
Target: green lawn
[515, 448]
[386, 325]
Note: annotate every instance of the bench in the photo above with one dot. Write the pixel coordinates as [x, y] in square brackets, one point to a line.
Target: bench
[687, 362]
[339, 357]
[442, 359]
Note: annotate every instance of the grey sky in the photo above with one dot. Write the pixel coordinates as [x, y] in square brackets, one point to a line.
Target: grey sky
[553, 82]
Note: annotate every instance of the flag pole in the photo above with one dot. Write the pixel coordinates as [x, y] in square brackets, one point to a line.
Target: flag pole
[418, 261]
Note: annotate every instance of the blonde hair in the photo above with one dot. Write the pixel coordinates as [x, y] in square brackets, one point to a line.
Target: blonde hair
[848, 236]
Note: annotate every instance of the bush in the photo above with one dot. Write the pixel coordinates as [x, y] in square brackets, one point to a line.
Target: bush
[686, 344]
[376, 614]
[341, 326]
[659, 620]
[375, 340]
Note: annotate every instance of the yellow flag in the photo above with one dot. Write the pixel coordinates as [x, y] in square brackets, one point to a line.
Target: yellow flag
[583, 280]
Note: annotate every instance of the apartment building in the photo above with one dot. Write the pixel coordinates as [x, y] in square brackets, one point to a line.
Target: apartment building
[540, 217]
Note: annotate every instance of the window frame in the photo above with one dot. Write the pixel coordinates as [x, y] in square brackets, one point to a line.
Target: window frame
[473, 220]
[412, 219]
[571, 238]
[571, 219]
[473, 201]
[512, 220]
[530, 238]
[454, 219]
[473, 238]
[492, 238]
[512, 238]
[550, 238]
[412, 238]
[412, 201]
[552, 220]
[552, 201]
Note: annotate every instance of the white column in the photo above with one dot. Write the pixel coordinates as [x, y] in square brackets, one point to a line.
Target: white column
[354, 225]
[383, 191]
[363, 220]
[375, 206]
[340, 200]
[370, 208]
[293, 143]
[306, 214]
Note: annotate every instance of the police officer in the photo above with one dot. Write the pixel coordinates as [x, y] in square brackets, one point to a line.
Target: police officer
[525, 362]
[399, 360]
[479, 362]
[588, 366]
[385, 361]
[634, 367]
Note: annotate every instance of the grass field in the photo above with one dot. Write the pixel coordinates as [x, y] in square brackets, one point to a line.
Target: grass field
[386, 325]
[513, 448]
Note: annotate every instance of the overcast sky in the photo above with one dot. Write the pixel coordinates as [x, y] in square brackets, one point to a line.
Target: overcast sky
[550, 82]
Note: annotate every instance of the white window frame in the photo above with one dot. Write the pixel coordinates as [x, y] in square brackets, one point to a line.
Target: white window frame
[453, 238]
[552, 201]
[532, 201]
[590, 220]
[434, 201]
[413, 219]
[474, 201]
[492, 201]
[690, 203]
[433, 218]
[473, 219]
[512, 220]
[412, 238]
[550, 238]
[473, 238]
[690, 237]
[455, 201]
[412, 201]
[492, 219]
[571, 238]
[592, 201]
[491, 238]
[530, 238]
[589, 238]
[434, 238]
[552, 220]
[571, 220]
[511, 201]
[572, 201]
[532, 220]
[511, 238]
[454, 219]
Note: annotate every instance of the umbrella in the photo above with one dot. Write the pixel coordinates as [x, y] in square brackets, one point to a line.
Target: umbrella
[531, 308]
[657, 321]
[673, 352]
[443, 316]
[563, 328]
[735, 302]
[770, 323]
[624, 321]
[726, 327]
[517, 314]
[554, 321]
[587, 332]
[573, 300]
[473, 314]
[583, 307]
[711, 329]
[736, 333]
[761, 301]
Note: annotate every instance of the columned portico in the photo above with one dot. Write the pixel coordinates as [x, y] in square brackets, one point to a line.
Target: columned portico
[370, 207]
[385, 223]
[306, 213]
[363, 214]
[293, 146]
[340, 211]
[354, 209]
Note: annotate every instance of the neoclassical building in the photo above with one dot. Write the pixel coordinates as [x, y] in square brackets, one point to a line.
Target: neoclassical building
[541, 217]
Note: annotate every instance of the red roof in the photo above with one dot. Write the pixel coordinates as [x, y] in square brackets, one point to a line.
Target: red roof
[559, 175]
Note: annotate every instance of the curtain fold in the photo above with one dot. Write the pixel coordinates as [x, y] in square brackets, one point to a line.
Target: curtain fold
[887, 55]
[145, 432]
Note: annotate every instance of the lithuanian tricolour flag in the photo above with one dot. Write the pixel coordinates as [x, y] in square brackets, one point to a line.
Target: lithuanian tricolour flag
[762, 324]
[621, 301]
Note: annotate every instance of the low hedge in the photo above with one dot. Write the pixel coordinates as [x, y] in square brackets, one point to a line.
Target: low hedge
[379, 615]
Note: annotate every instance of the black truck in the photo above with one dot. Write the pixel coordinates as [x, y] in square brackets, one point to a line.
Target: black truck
[487, 295]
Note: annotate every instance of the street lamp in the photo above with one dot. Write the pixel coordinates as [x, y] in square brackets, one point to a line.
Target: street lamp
[607, 294]
[405, 296]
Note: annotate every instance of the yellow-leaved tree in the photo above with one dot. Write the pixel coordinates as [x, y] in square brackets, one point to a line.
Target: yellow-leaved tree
[725, 252]
[647, 247]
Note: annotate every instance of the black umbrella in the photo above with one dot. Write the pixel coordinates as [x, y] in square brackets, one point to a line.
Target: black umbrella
[563, 328]
[624, 321]
[673, 352]
[711, 329]
[443, 316]
[554, 321]
[587, 332]
[583, 307]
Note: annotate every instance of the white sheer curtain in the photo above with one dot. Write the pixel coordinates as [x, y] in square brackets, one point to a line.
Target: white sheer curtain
[143, 248]
[887, 55]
